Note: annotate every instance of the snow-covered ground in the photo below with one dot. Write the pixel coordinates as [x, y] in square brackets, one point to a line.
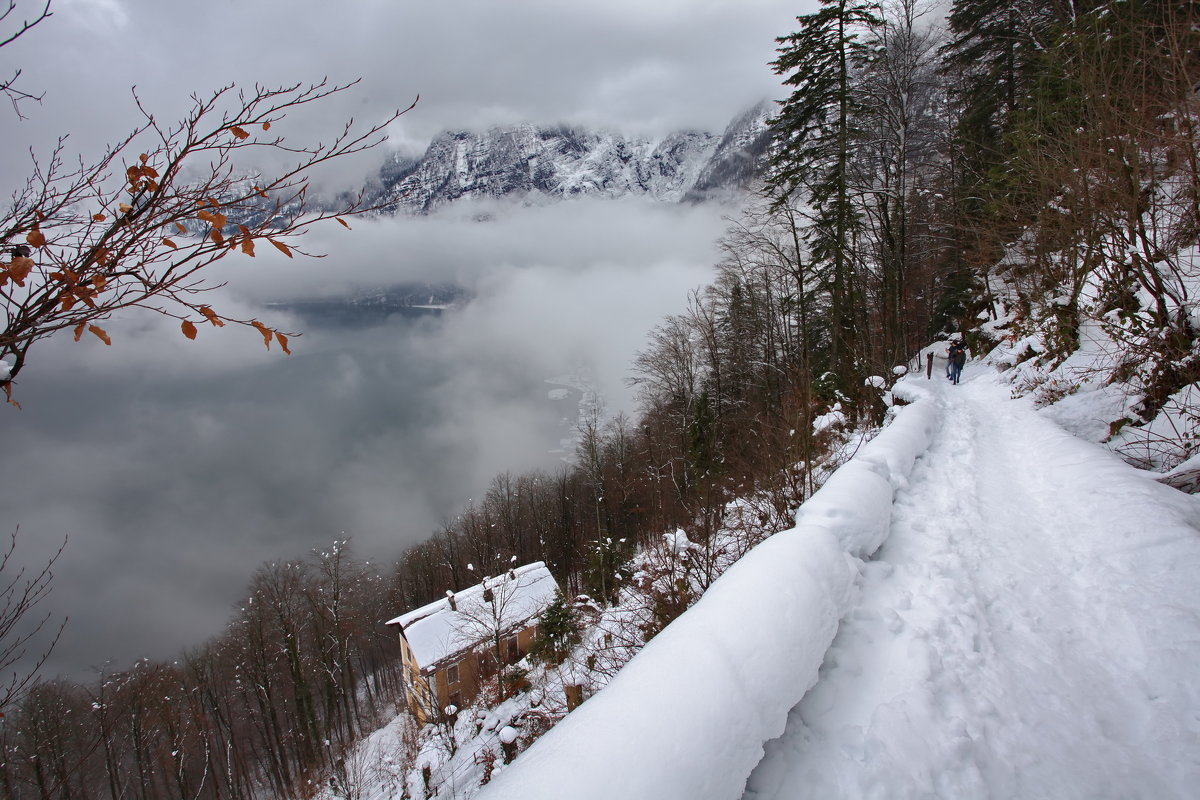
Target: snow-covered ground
[1029, 628]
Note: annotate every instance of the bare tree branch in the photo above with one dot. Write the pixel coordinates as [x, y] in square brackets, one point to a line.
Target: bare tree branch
[20, 594]
[8, 87]
[136, 227]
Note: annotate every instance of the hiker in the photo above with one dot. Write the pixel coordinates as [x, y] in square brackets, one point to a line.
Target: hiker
[958, 357]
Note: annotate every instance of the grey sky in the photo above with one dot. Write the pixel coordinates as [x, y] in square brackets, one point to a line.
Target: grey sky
[639, 66]
[176, 467]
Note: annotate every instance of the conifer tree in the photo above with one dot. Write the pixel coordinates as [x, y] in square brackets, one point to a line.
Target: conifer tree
[558, 632]
[815, 134]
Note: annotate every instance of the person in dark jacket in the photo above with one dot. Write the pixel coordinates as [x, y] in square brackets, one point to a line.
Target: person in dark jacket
[957, 356]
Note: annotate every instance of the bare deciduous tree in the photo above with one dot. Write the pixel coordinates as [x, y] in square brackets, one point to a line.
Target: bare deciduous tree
[20, 594]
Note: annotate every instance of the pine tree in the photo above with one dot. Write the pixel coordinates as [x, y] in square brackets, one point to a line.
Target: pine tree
[993, 60]
[558, 632]
[815, 135]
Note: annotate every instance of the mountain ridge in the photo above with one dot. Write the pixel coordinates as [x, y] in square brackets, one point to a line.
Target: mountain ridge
[545, 163]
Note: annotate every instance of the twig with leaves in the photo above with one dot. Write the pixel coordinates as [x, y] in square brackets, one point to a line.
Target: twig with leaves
[136, 231]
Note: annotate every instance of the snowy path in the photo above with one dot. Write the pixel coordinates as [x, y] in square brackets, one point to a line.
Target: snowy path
[1031, 629]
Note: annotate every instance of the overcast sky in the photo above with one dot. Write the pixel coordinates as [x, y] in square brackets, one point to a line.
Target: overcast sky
[177, 467]
[638, 66]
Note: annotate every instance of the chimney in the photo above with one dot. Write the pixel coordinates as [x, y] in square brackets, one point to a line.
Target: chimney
[450, 597]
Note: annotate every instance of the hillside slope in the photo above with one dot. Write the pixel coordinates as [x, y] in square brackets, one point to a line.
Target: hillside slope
[1019, 617]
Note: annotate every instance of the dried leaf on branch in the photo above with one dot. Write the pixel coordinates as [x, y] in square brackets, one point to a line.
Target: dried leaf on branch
[176, 189]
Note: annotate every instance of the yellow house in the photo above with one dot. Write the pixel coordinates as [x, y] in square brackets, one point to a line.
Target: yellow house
[453, 644]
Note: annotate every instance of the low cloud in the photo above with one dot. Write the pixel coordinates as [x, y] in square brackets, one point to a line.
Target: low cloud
[176, 467]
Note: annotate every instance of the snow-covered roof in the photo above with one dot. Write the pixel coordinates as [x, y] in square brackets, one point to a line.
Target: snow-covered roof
[437, 631]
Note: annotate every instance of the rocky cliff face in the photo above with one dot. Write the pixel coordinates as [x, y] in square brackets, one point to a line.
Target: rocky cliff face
[739, 158]
[538, 164]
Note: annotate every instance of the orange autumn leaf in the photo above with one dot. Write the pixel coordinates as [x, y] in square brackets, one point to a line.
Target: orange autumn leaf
[266, 126]
[344, 223]
[100, 334]
[125, 208]
[189, 330]
[283, 248]
[143, 158]
[36, 238]
[211, 316]
[217, 220]
[79, 329]
[217, 237]
[99, 217]
[182, 229]
[238, 132]
[265, 331]
[283, 342]
[170, 244]
[248, 246]
[99, 281]
[19, 269]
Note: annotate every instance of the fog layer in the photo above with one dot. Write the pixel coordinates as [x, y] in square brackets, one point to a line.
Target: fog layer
[176, 467]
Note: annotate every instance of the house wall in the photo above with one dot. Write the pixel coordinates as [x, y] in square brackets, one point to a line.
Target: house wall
[525, 639]
[475, 667]
[418, 695]
[471, 673]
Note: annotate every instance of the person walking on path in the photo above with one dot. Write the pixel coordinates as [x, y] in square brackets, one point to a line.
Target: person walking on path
[957, 356]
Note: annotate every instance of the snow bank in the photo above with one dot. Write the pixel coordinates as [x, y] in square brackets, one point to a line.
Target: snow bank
[855, 504]
[719, 681]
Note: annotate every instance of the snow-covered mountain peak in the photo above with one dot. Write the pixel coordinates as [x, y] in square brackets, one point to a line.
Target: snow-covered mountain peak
[536, 163]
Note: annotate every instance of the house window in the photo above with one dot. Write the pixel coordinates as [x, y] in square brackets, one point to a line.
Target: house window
[452, 674]
[512, 649]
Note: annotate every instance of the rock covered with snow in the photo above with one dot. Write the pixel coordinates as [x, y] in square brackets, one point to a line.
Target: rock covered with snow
[835, 416]
[677, 542]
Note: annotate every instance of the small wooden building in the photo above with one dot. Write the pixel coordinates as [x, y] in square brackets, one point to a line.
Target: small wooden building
[452, 645]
